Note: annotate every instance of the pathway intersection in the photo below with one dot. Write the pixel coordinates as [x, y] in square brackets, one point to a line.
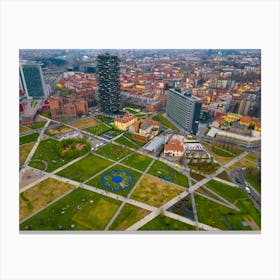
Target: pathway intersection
[154, 211]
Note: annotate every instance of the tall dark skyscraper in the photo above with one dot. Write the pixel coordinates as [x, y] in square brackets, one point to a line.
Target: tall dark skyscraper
[31, 79]
[183, 109]
[108, 73]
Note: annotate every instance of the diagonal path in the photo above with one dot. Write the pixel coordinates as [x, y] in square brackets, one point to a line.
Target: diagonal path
[129, 195]
[182, 195]
[33, 149]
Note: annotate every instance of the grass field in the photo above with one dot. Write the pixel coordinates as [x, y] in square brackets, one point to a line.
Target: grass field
[221, 159]
[23, 129]
[84, 168]
[129, 136]
[165, 171]
[46, 114]
[155, 191]
[24, 151]
[248, 162]
[252, 175]
[137, 161]
[114, 132]
[160, 118]
[204, 167]
[212, 213]
[40, 195]
[129, 215]
[96, 182]
[238, 197]
[84, 123]
[221, 152]
[105, 119]
[113, 152]
[98, 129]
[37, 125]
[196, 176]
[166, 223]
[28, 138]
[224, 176]
[48, 151]
[122, 140]
[58, 130]
[80, 210]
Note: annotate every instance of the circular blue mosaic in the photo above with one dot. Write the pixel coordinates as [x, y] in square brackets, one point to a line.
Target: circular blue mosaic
[117, 180]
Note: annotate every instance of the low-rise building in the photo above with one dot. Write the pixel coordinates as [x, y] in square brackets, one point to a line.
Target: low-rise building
[144, 130]
[124, 122]
[67, 106]
[253, 141]
[174, 148]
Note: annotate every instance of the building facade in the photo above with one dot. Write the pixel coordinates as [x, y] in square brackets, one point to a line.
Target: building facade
[31, 80]
[124, 122]
[184, 110]
[108, 73]
[70, 106]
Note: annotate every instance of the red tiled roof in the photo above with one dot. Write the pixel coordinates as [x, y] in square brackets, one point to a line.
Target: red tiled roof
[246, 119]
[171, 147]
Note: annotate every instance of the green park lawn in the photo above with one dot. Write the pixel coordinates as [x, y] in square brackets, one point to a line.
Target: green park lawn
[212, 213]
[166, 223]
[160, 118]
[104, 119]
[130, 137]
[128, 216]
[252, 175]
[28, 138]
[23, 129]
[40, 195]
[48, 151]
[224, 176]
[137, 161]
[98, 129]
[221, 152]
[96, 182]
[155, 191]
[113, 151]
[84, 168]
[37, 125]
[196, 176]
[165, 171]
[79, 210]
[238, 197]
[24, 151]
[124, 141]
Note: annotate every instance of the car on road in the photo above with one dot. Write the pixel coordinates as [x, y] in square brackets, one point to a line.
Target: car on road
[248, 190]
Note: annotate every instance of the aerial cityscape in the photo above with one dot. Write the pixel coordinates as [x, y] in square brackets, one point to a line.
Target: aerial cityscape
[140, 140]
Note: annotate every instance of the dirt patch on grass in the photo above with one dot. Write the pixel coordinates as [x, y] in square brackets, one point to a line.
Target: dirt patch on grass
[24, 151]
[155, 191]
[29, 176]
[84, 123]
[23, 129]
[59, 130]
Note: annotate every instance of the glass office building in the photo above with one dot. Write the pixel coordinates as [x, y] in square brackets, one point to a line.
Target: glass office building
[31, 80]
[184, 110]
[108, 73]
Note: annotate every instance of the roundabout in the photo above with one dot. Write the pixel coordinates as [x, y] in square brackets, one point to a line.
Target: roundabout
[117, 180]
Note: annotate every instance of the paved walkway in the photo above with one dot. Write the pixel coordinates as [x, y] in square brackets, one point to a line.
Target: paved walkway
[192, 189]
[154, 211]
[33, 149]
[128, 196]
[226, 182]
